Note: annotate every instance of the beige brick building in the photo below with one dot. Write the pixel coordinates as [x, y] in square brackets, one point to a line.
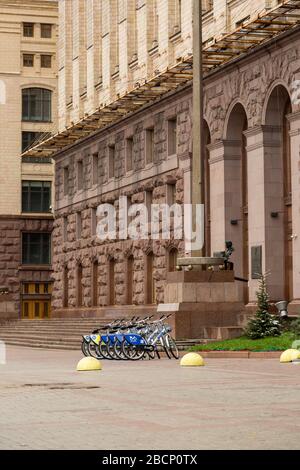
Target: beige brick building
[109, 54]
[28, 104]
[108, 47]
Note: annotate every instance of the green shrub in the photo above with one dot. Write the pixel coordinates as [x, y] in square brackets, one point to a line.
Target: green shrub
[294, 327]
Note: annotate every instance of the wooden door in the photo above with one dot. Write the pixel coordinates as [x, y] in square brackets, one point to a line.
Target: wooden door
[36, 301]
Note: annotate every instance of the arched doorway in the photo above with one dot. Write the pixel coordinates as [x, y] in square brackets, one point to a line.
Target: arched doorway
[278, 183]
[236, 189]
[206, 190]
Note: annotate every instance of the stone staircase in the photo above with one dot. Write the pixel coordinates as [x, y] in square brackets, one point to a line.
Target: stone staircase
[48, 334]
[59, 333]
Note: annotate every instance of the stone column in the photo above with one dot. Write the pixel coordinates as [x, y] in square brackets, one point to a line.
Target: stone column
[185, 164]
[295, 170]
[265, 187]
[226, 198]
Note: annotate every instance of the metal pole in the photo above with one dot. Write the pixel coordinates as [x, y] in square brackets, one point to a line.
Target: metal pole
[197, 158]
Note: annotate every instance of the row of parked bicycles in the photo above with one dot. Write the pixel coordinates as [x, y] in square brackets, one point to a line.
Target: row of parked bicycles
[133, 339]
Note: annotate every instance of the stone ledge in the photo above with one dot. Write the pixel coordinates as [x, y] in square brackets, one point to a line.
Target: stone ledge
[240, 354]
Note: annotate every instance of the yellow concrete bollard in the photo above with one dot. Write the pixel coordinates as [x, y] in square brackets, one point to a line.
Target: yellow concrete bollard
[88, 363]
[192, 360]
[290, 355]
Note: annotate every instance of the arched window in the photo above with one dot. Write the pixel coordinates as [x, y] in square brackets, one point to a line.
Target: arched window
[173, 255]
[79, 286]
[129, 280]
[111, 282]
[150, 296]
[36, 104]
[95, 292]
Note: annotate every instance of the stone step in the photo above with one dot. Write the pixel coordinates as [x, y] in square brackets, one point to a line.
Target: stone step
[41, 323]
[70, 345]
[41, 338]
[78, 328]
[42, 345]
[42, 334]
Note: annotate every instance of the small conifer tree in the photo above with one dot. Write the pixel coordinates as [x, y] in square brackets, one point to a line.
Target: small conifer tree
[263, 323]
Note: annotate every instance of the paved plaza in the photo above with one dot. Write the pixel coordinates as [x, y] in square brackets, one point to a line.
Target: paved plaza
[228, 404]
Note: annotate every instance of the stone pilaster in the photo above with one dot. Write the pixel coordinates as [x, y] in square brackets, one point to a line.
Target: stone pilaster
[266, 197]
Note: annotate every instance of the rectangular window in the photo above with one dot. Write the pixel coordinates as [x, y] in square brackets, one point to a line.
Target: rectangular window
[28, 30]
[46, 61]
[46, 31]
[172, 136]
[36, 104]
[93, 221]
[65, 228]
[28, 60]
[177, 15]
[36, 196]
[171, 194]
[36, 248]
[78, 225]
[95, 162]
[129, 154]
[149, 145]
[29, 138]
[111, 161]
[66, 181]
[148, 203]
[25, 288]
[80, 175]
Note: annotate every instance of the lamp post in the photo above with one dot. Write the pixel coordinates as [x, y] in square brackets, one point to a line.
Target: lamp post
[197, 158]
[197, 136]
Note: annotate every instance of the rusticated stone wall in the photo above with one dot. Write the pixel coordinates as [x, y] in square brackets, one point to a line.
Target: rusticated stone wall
[154, 177]
[12, 273]
[88, 249]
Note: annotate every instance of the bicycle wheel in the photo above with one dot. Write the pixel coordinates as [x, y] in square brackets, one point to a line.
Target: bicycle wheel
[165, 347]
[102, 348]
[172, 347]
[111, 352]
[94, 351]
[85, 348]
[118, 350]
[132, 352]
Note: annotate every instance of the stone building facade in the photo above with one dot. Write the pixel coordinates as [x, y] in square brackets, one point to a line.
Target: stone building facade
[28, 102]
[252, 181]
[251, 161]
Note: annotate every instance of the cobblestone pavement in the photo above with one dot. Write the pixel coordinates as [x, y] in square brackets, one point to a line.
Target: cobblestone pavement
[228, 404]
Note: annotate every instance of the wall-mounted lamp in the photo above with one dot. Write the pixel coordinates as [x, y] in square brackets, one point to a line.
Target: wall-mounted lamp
[274, 215]
[234, 222]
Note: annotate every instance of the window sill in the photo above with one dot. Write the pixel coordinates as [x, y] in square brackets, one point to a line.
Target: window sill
[35, 267]
[173, 155]
[36, 122]
[35, 215]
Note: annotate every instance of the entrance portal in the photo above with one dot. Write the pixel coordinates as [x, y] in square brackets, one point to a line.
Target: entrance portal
[36, 301]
